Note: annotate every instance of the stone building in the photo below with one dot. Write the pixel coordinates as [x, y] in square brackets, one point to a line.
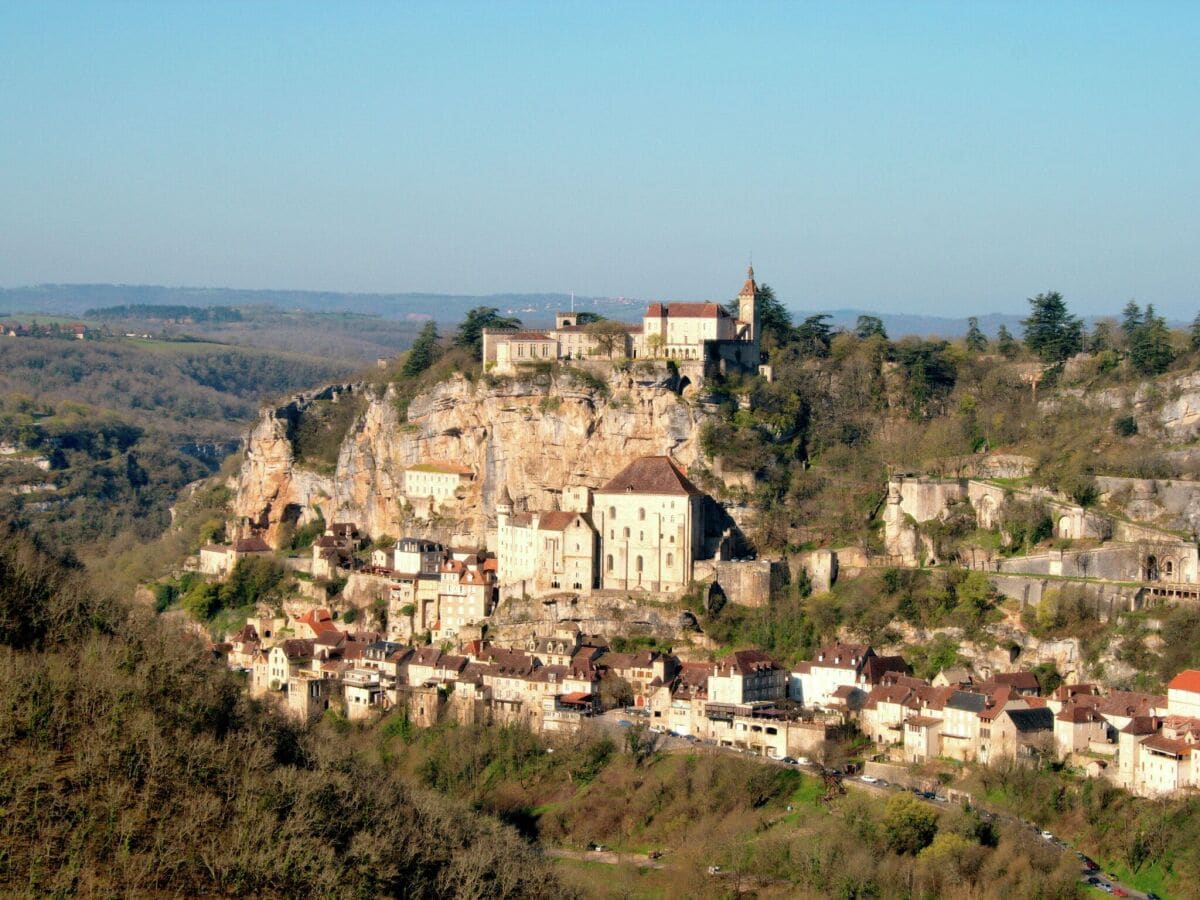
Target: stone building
[651, 523]
[543, 552]
[704, 332]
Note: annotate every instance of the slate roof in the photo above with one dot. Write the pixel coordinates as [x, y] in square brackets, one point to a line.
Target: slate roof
[651, 475]
[968, 701]
[1027, 720]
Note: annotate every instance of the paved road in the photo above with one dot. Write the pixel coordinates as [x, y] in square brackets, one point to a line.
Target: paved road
[611, 720]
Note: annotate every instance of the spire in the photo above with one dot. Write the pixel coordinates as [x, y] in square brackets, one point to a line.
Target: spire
[749, 289]
[505, 498]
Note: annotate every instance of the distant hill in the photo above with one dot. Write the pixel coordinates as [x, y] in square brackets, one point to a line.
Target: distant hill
[533, 309]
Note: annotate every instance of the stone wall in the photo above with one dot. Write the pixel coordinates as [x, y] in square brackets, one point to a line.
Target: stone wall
[751, 582]
[1108, 599]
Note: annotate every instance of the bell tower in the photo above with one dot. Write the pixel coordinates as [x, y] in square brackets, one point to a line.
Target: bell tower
[748, 307]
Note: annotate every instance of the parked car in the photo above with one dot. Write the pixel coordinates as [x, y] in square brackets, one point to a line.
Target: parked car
[624, 723]
[788, 761]
[869, 779]
[802, 761]
[1047, 836]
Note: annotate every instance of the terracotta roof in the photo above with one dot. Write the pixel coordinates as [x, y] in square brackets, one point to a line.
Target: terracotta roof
[749, 289]
[1141, 725]
[556, 521]
[296, 648]
[253, 544]
[576, 697]
[1173, 746]
[845, 691]
[1187, 680]
[878, 666]
[1130, 703]
[746, 661]
[839, 656]
[1022, 681]
[651, 475]
[319, 620]
[886, 693]
[1079, 714]
[687, 310]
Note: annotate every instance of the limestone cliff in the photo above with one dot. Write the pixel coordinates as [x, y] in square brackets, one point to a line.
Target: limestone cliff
[534, 435]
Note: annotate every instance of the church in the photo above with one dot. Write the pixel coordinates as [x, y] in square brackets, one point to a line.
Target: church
[641, 531]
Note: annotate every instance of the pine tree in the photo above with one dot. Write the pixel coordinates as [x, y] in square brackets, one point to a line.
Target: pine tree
[1196, 332]
[1051, 332]
[976, 340]
[1150, 349]
[1131, 319]
[1101, 338]
[424, 351]
[1005, 343]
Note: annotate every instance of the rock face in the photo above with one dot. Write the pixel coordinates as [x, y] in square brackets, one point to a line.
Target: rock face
[533, 435]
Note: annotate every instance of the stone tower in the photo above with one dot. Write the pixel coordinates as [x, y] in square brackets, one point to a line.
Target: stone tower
[504, 507]
[748, 307]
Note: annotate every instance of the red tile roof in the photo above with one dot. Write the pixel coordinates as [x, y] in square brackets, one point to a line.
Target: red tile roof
[556, 521]
[1187, 680]
[687, 310]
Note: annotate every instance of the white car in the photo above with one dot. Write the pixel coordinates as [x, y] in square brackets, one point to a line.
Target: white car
[1047, 836]
[869, 780]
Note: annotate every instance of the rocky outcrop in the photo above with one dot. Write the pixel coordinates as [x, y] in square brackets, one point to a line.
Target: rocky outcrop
[1169, 406]
[533, 435]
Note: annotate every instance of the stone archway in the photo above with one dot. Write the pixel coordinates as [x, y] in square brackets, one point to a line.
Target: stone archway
[1150, 568]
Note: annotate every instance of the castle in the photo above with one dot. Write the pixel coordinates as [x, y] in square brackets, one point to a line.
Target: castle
[705, 333]
[643, 530]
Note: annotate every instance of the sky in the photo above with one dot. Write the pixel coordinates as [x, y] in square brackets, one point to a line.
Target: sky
[937, 158]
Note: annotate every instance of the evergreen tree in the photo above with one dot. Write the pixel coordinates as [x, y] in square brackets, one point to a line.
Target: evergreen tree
[1005, 343]
[470, 330]
[976, 340]
[1150, 349]
[1196, 332]
[870, 326]
[1131, 319]
[814, 336]
[1101, 338]
[424, 351]
[1051, 332]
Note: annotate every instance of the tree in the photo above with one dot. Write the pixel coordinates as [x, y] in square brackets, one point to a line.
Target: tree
[870, 326]
[1051, 332]
[424, 351]
[1131, 319]
[976, 340]
[909, 824]
[1101, 338]
[1005, 343]
[814, 336]
[587, 318]
[470, 330]
[608, 337]
[1195, 335]
[1150, 349]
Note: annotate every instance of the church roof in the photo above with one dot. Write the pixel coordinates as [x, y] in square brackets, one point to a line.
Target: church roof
[556, 520]
[749, 289]
[651, 475]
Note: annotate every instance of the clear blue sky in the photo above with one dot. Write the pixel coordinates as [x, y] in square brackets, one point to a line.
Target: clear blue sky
[943, 158]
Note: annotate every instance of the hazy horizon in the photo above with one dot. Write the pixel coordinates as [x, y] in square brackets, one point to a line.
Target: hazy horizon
[944, 159]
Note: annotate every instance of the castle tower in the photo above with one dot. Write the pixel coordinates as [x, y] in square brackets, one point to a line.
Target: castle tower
[748, 306]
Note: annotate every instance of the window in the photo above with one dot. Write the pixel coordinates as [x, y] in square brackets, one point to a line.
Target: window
[639, 564]
[625, 533]
[641, 515]
[612, 512]
[670, 559]
[609, 563]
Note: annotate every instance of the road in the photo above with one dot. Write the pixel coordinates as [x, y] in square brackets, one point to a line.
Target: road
[611, 720]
